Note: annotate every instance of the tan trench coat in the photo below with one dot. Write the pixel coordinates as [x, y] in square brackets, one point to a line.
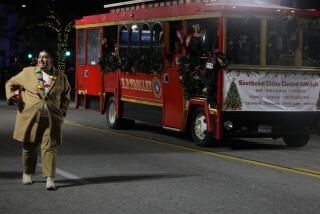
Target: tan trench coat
[33, 100]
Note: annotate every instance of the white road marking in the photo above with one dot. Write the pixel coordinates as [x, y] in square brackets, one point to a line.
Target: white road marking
[65, 174]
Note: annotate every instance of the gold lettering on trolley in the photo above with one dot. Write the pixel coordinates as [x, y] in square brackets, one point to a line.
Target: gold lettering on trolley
[136, 84]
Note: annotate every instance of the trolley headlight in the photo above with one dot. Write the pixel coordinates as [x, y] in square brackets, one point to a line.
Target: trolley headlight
[228, 125]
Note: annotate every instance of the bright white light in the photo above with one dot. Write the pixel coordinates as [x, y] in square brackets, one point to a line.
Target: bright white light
[135, 28]
[278, 10]
[234, 7]
[23, 5]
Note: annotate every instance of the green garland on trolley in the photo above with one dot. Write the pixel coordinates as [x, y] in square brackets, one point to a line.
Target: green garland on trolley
[190, 72]
[109, 63]
[132, 62]
[198, 79]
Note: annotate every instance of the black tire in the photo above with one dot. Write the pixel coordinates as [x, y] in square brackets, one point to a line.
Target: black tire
[296, 140]
[126, 123]
[113, 120]
[199, 132]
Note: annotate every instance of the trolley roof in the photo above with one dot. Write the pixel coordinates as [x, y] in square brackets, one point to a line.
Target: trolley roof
[140, 10]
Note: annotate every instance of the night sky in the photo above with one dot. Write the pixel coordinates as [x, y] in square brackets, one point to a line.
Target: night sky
[79, 8]
[72, 9]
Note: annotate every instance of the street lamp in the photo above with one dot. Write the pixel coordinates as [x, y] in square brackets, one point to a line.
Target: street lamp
[68, 53]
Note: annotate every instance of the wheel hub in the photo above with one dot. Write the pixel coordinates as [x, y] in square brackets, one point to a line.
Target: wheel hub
[112, 113]
[200, 127]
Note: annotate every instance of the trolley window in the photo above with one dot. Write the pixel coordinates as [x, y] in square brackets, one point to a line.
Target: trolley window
[134, 35]
[81, 44]
[124, 36]
[93, 46]
[157, 33]
[282, 41]
[243, 40]
[145, 34]
[311, 43]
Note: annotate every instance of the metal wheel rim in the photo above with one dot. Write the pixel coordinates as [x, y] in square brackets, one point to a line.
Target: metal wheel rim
[200, 126]
[112, 113]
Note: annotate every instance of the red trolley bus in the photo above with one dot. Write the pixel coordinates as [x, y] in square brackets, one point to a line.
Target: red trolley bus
[137, 62]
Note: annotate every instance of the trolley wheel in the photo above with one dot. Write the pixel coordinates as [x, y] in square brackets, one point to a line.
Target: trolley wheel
[296, 140]
[113, 120]
[199, 130]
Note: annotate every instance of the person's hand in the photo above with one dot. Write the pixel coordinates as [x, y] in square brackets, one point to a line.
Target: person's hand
[13, 99]
[179, 34]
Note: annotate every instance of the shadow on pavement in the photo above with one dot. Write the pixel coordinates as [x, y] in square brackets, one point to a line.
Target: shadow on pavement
[114, 179]
[10, 175]
[239, 144]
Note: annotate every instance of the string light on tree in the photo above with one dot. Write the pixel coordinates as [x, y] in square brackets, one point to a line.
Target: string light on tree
[62, 30]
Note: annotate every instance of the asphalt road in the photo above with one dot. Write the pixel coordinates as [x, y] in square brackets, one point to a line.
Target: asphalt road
[150, 170]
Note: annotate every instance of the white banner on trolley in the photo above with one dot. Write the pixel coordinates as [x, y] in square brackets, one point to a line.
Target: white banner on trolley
[271, 91]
